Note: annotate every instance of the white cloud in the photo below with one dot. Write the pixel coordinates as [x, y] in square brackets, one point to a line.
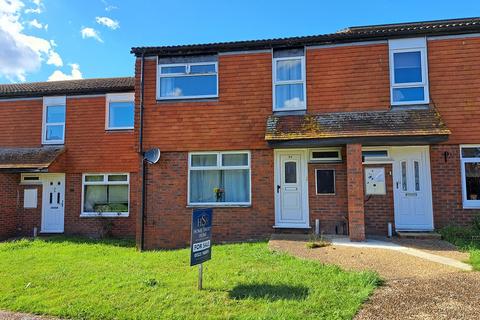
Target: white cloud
[35, 24]
[31, 10]
[109, 7]
[75, 73]
[55, 59]
[107, 22]
[21, 53]
[38, 9]
[91, 33]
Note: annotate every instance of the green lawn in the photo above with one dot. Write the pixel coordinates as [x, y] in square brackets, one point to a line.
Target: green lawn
[84, 279]
[467, 239]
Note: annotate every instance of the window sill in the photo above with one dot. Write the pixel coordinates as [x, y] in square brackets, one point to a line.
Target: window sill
[207, 205]
[53, 143]
[119, 129]
[104, 215]
[471, 207]
[180, 100]
[289, 110]
[411, 105]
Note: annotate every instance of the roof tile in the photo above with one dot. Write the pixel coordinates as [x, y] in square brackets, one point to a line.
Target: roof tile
[404, 122]
[71, 87]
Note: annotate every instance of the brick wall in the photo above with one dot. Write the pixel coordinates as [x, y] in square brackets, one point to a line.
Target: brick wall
[455, 86]
[349, 78]
[21, 123]
[234, 121]
[331, 210]
[28, 219]
[91, 148]
[356, 213]
[168, 217]
[379, 210]
[8, 204]
[447, 187]
[89, 226]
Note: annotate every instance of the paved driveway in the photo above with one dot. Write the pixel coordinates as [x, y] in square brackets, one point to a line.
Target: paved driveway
[414, 288]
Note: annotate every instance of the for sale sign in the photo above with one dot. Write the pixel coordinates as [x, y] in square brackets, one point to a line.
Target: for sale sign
[201, 241]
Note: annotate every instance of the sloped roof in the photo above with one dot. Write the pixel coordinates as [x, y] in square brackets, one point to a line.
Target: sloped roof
[361, 33]
[70, 87]
[29, 158]
[389, 123]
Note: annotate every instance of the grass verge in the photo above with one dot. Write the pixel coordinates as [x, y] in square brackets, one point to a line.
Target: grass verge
[84, 279]
[467, 239]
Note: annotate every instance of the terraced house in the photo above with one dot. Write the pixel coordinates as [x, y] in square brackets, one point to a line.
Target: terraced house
[359, 129]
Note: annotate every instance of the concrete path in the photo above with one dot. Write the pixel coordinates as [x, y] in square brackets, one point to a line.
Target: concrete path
[378, 244]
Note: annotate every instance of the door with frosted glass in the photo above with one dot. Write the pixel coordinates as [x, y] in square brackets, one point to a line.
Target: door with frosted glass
[53, 203]
[412, 189]
[290, 190]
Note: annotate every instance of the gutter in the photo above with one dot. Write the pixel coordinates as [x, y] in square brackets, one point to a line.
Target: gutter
[140, 151]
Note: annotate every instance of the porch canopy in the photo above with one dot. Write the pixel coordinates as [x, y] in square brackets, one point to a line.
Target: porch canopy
[29, 159]
[413, 126]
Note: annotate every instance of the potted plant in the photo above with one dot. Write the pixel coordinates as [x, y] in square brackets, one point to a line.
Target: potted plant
[218, 193]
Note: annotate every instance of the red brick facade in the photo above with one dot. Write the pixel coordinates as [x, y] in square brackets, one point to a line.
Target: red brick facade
[379, 208]
[330, 209]
[356, 212]
[8, 205]
[345, 78]
[168, 215]
[89, 149]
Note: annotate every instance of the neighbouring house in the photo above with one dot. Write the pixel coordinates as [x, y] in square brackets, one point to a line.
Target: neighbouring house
[358, 129]
[68, 157]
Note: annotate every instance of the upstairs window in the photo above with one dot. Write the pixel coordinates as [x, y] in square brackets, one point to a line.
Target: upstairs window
[187, 80]
[289, 81]
[53, 120]
[408, 71]
[120, 112]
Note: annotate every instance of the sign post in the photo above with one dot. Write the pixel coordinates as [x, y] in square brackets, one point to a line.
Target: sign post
[201, 240]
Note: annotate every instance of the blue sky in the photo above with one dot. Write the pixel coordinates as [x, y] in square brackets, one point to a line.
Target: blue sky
[54, 39]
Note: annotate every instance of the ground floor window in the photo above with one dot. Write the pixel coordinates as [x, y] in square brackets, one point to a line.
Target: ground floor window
[325, 181]
[105, 194]
[219, 178]
[470, 162]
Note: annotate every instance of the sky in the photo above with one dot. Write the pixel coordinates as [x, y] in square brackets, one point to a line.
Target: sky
[48, 40]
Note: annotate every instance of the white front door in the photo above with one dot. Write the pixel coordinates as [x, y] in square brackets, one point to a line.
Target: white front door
[291, 189]
[53, 203]
[412, 189]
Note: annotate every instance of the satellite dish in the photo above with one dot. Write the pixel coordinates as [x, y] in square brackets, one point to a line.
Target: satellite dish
[152, 156]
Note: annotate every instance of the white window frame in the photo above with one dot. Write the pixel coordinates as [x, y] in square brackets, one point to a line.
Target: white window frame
[409, 45]
[320, 160]
[220, 167]
[302, 81]
[334, 182]
[467, 204]
[102, 183]
[52, 102]
[118, 97]
[31, 182]
[187, 74]
[377, 160]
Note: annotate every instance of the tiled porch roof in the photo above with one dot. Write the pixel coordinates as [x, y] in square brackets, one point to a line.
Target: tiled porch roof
[29, 158]
[389, 123]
